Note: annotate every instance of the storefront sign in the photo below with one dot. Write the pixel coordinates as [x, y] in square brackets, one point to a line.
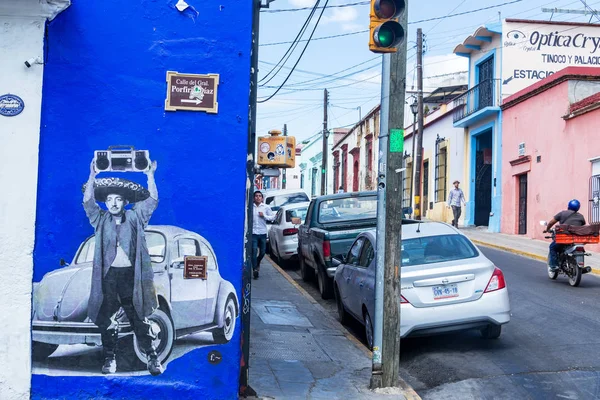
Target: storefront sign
[192, 92]
[534, 51]
[11, 105]
[195, 267]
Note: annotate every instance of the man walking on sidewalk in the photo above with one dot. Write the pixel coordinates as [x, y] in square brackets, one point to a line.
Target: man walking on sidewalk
[262, 214]
[456, 199]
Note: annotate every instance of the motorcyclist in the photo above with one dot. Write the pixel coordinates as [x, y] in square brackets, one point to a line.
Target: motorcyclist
[570, 216]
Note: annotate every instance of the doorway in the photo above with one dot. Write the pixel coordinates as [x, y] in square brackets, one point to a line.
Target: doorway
[485, 76]
[483, 178]
[523, 204]
[425, 202]
[355, 177]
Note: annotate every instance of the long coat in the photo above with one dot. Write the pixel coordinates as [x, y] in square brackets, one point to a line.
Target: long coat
[132, 240]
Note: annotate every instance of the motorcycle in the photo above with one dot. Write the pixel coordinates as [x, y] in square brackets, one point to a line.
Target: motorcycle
[571, 259]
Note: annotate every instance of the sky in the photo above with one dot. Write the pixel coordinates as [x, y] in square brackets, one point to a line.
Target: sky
[299, 103]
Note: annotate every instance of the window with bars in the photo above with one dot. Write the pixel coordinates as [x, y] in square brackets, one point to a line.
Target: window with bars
[407, 184]
[441, 160]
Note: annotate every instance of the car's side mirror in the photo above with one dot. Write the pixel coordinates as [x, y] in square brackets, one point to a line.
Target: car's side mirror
[336, 262]
[296, 221]
[63, 263]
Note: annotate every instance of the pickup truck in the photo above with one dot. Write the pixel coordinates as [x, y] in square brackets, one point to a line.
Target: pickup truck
[332, 224]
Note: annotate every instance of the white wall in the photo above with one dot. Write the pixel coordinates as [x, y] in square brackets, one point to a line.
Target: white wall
[21, 37]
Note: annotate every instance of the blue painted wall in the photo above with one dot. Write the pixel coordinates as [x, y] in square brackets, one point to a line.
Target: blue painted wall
[105, 84]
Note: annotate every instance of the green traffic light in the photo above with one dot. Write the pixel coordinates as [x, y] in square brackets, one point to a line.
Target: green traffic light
[388, 34]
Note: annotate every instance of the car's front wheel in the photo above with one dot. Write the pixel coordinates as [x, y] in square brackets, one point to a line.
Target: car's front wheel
[162, 328]
[343, 315]
[40, 351]
[225, 333]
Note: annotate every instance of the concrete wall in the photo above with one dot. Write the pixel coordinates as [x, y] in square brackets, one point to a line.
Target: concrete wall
[105, 84]
[565, 147]
[21, 37]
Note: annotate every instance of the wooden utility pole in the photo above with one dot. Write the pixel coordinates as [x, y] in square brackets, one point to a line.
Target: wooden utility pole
[283, 172]
[325, 147]
[386, 359]
[419, 137]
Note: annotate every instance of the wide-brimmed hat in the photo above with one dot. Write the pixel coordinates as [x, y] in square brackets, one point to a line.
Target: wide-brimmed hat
[456, 181]
[130, 191]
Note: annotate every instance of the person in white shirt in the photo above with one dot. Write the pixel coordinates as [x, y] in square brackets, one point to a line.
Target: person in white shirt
[456, 199]
[262, 214]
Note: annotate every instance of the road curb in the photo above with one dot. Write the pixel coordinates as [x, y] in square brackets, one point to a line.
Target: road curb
[409, 392]
[595, 271]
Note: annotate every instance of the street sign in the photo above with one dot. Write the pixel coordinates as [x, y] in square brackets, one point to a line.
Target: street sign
[195, 267]
[192, 92]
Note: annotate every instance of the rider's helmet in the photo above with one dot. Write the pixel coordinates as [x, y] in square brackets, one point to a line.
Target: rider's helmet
[574, 205]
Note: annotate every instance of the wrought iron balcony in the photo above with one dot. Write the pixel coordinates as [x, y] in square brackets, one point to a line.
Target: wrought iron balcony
[486, 94]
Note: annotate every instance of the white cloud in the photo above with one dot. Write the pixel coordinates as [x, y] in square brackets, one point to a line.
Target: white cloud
[353, 27]
[302, 3]
[347, 14]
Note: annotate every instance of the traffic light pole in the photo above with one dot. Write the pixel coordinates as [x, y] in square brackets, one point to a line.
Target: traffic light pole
[419, 137]
[386, 345]
[325, 147]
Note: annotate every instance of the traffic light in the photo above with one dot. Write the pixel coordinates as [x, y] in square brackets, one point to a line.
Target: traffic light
[385, 31]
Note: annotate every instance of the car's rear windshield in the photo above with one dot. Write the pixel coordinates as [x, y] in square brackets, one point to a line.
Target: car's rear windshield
[436, 249]
[348, 209]
[298, 212]
[156, 247]
[279, 200]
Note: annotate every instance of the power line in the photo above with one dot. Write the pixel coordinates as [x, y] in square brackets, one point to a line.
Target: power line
[292, 47]
[360, 3]
[336, 73]
[413, 22]
[299, 58]
[319, 38]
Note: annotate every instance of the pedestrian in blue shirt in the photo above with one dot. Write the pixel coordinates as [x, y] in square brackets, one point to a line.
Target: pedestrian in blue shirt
[456, 199]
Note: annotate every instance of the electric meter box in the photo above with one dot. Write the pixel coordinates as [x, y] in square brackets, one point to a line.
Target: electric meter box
[277, 151]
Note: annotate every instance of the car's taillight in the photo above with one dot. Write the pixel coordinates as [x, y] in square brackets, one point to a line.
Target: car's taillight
[290, 231]
[403, 300]
[496, 281]
[326, 250]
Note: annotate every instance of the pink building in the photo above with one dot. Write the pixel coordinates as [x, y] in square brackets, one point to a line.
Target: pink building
[551, 150]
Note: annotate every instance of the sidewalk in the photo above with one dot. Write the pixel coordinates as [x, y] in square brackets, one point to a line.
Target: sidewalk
[297, 351]
[532, 248]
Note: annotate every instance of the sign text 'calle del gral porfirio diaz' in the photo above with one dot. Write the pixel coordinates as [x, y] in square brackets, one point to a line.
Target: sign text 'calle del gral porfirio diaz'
[192, 92]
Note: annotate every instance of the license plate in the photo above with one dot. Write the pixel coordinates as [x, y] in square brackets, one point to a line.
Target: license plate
[445, 292]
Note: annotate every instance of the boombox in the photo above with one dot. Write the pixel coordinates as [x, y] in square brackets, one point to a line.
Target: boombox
[121, 159]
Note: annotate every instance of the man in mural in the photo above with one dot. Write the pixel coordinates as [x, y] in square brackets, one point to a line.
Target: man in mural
[456, 199]
[122, 274]
[262, 214]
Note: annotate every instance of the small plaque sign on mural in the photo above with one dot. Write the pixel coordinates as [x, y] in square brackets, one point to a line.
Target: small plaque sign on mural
[194, 267]
[192, 92]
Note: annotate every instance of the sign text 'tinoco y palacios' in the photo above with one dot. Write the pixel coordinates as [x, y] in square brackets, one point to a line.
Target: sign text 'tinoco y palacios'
[192, 92]
[535, 50]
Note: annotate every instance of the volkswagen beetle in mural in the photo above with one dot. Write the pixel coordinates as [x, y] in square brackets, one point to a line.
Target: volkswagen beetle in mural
[186, 306]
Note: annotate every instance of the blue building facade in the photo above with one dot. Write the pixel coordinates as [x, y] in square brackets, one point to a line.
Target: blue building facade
[478, 112]
[105, 87]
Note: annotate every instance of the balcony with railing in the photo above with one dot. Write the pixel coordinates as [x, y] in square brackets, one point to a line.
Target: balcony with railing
[477, 103]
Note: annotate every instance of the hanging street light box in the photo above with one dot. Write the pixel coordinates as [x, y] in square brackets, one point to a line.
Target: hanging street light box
[277, 151]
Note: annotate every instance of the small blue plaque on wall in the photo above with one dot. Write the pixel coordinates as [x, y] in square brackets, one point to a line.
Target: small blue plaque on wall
[11, 105]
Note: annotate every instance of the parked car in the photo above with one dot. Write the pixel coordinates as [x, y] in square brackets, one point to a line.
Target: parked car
[186, 306]
[332, 223]
[446, 284]
[276, 198]
[283, 236]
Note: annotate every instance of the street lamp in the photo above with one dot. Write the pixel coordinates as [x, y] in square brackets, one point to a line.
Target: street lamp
[414, 108]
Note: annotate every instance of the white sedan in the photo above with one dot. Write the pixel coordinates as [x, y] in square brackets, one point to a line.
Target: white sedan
[446, 284]
[283, 235]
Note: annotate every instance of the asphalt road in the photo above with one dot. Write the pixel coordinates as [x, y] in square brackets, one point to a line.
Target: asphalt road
[549, 350]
